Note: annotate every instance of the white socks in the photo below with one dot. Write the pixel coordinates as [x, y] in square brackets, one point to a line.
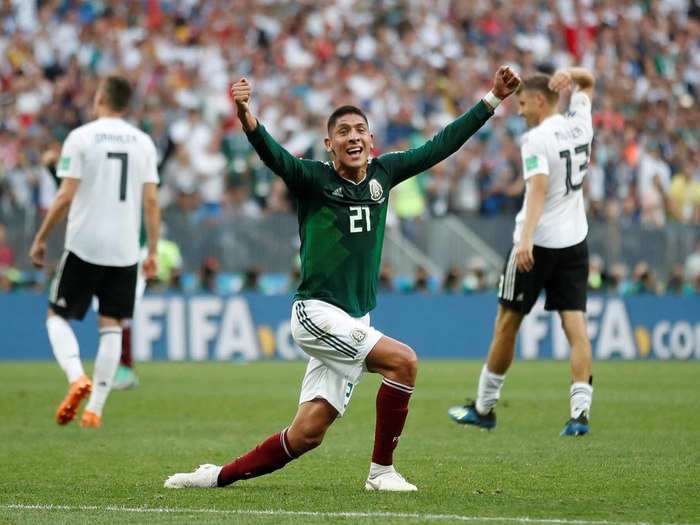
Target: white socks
[581, 397]
[106, 362]
[65, 347]
[489, 390]
[377, 470]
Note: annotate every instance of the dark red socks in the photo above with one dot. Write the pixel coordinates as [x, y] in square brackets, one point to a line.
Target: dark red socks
[392, 409]
[126, 348]
[270, 455]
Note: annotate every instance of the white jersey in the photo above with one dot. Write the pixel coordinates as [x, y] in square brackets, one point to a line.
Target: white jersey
[113, 160]
[560, 148]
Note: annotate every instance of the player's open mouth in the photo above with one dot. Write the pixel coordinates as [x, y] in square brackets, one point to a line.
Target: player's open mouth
[354, 153]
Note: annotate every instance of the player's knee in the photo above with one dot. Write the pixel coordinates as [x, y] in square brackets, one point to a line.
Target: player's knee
[408, 364]
[309, 439]
[507, 324]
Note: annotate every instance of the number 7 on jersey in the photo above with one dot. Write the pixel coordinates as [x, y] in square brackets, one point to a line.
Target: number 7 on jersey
[123, 158]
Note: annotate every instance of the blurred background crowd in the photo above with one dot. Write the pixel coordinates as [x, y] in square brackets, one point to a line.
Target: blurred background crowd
[413, 65]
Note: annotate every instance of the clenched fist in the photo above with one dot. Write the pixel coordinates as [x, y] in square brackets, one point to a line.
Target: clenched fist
[505, 82]
[240, 94]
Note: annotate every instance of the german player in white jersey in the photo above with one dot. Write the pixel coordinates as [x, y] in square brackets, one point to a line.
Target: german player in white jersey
[108, 174]
[549, 242]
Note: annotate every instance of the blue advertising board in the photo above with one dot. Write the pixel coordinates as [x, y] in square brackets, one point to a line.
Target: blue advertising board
[250, 327]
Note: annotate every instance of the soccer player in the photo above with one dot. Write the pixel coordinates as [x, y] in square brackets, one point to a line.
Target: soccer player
[108, 171]
[342, 206]
[549, 248]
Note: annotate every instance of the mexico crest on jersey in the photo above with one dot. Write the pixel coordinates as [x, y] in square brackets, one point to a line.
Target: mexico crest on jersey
[358, 336]
[375, 190]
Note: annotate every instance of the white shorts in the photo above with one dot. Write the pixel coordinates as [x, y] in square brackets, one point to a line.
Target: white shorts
[337, 344]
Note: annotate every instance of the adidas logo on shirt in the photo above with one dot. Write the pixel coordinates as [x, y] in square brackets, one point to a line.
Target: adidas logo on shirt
[338, 192]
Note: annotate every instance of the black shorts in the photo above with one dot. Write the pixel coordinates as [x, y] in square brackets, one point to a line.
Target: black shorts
[562, 272]
[77, 281]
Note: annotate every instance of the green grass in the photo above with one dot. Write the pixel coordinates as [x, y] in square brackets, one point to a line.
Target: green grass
[639, 464]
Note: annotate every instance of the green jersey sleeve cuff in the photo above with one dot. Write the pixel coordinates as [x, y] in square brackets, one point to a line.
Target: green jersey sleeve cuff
[482, 111]
[257, 135]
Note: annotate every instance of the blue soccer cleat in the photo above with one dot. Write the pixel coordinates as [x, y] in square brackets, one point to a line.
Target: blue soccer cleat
[467, 415]
[576, 426]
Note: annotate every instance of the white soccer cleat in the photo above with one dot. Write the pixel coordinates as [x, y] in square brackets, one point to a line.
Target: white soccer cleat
[390, 481]
[205, 477]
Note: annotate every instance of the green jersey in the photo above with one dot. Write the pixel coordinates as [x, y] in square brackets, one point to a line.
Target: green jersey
[341, 223]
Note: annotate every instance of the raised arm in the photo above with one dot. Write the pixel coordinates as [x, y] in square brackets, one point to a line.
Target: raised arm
[566, 79]
[405, 164]
[279, 160]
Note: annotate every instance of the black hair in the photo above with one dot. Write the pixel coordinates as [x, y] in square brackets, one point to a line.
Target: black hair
[117, 92]
[344, 110]
[539, 82]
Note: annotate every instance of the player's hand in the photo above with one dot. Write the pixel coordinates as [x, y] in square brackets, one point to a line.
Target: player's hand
[524, 259]
[561, 81]
[240, 94]
[505, 82]
[49, 157]
[37, 253]
[150, 267]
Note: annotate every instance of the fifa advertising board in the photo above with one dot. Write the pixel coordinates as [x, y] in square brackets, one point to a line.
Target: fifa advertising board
[251, 327]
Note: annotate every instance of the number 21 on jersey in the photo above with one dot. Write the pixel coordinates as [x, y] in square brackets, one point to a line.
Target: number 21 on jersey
[360, 219]
[577, 184]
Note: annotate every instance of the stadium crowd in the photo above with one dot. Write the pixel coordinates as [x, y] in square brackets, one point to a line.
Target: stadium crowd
[412, 65]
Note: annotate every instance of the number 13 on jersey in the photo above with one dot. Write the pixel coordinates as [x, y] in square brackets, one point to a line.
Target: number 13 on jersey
[580, 168]
[360, 219]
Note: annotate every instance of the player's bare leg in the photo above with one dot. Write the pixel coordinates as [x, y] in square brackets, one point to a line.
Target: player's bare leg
[67, 352]
[304, 434]
[480, 413]
[398, 364]
[581, 393]
[106, 362]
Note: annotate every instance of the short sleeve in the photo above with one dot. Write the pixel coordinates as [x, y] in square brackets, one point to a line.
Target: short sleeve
[151, 163]
[69, 163]
[534, 158]
[580, 111]
[580, 102]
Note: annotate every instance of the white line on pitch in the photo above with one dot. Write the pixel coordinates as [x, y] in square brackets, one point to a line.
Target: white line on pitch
[262, 512]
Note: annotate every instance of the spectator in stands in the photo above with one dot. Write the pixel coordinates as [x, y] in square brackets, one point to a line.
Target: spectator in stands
[452, 282]
[238, 202]
[7, 254]
[386, 278]
[251, 279]
[676, 282]
[208, 275]
[617, 281]
[596, 276]
[476, 278]
[420, 280]
[644, 280]
[209, 164]
[169, 265]
[653, 182]
[692, 264]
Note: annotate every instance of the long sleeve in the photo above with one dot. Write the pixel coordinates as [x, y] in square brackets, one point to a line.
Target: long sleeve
[404, 164]
[292, 170]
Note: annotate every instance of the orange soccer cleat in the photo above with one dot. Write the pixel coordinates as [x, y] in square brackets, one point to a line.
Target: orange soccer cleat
[90, 420]
[77, 391]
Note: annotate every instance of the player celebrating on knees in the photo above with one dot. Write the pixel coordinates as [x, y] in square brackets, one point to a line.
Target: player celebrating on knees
[549, 248]
[109, 172]
[342, 208]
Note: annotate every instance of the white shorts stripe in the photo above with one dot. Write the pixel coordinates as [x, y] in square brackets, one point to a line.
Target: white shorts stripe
[509, 278]
[53, 294]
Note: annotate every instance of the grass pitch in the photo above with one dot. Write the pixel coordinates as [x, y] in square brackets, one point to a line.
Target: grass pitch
[639, 464]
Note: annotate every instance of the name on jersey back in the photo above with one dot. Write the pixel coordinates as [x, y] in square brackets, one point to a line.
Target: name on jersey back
[118, 138]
